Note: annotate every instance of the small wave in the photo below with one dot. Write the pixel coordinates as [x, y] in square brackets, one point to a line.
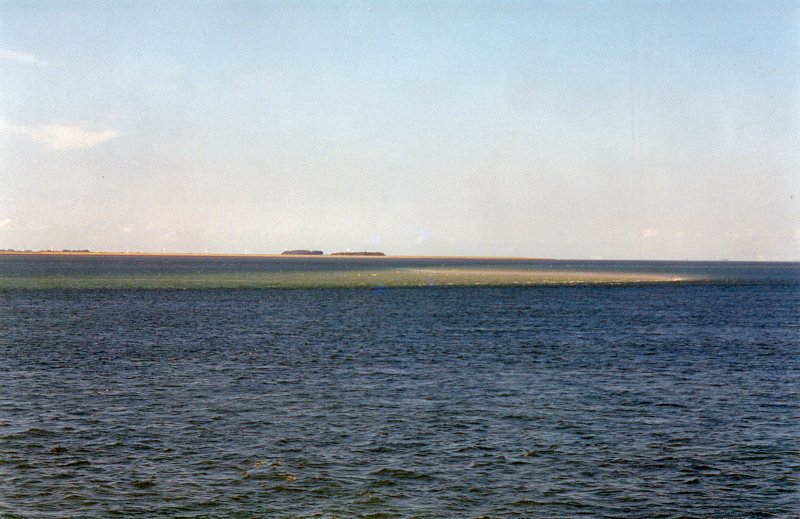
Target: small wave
[288, 489]
[528, 502]
[535, 453]
[671, 404]
[77, 463]
[399, 473]
[33, 432]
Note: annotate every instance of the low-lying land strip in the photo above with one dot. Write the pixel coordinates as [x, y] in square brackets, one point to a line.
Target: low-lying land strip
[371, 278]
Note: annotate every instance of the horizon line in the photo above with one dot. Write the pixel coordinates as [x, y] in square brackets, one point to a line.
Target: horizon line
[10, 252]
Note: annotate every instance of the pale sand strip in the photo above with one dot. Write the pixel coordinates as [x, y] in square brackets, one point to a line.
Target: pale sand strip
[536, 277]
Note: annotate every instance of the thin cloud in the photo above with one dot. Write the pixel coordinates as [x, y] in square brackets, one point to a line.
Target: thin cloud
[66, 137]
[61, 136]
[5, 222]
[21, 57]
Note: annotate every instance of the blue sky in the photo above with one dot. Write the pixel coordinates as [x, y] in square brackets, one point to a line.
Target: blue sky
[652, 130]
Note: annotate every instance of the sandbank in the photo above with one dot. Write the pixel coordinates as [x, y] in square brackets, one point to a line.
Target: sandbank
[351, 278]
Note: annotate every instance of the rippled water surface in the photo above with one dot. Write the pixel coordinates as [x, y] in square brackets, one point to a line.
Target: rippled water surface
[679, 400]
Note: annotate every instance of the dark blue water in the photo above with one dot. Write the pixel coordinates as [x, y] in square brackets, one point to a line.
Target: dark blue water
[615, 401]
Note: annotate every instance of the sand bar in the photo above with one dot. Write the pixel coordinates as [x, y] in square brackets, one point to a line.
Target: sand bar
[361, 278]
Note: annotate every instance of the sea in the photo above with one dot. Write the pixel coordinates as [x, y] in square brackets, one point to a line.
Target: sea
[580, 400]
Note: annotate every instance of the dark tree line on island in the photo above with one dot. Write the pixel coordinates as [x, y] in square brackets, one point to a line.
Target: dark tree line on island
[302, 252]
[306, 252]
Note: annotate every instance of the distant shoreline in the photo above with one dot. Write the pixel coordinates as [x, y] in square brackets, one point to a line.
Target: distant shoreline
[331, 256]
[259, 255]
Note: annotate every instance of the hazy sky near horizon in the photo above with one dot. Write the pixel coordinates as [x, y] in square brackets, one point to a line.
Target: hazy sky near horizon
[614, 129]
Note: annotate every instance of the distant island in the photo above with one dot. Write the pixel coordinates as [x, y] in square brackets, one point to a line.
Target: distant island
[302, 252]
[82, 251]
[307, 252]
[362, 253]
[294, 252]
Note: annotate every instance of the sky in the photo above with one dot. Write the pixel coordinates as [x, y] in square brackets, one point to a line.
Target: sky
[568, 129]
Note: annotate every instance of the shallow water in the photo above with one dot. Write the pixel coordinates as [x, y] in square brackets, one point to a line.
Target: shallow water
[616, 401]
[39, 272]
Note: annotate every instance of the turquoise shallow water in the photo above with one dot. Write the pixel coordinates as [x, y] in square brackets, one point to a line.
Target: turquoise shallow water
[615, 401]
